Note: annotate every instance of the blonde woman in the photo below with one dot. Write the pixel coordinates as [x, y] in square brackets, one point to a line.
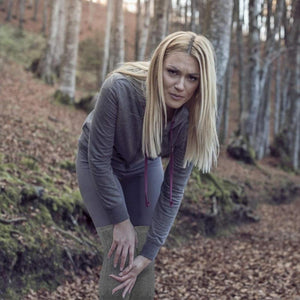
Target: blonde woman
[145, 111]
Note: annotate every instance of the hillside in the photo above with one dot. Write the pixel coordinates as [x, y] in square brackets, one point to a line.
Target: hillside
[47, 236]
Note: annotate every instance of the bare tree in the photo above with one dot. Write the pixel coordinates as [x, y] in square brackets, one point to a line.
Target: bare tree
[22, 5]
[219, 32]
[35, 10]
[142, 36]
[160, 21]
[68, 70]
[45, 17]
[109, 17]
[9, 10]
[119, 45]
[45, 69]
[249, 116]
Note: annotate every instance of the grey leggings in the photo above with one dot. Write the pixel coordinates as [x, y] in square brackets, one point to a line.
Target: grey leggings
[132, 183]
[144, 286]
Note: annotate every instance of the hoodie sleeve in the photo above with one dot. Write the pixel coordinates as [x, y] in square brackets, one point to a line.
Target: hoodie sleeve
[164, 214]
[100, 149]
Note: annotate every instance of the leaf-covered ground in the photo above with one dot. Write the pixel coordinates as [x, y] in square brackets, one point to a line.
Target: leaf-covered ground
[255, 261]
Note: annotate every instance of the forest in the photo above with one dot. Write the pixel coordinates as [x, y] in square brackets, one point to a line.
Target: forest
[237, 232]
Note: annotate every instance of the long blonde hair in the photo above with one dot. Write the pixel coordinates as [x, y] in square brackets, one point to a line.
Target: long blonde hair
[202, 142]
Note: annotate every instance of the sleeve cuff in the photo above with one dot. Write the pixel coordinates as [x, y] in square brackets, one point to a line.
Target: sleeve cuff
[118, 214]
[150, 250]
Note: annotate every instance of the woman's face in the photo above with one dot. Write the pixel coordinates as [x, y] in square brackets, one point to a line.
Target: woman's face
[180, 78]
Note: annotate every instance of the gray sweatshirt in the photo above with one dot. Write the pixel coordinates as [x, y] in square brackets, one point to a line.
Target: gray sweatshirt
[112, 134]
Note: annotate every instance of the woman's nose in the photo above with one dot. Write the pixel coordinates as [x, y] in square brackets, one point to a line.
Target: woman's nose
[180, 84]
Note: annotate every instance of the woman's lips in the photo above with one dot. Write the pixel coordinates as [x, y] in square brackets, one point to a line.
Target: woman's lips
[176, 97]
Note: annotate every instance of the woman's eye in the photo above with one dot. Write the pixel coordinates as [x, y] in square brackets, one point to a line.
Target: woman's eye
[193, 78]
[172, 72]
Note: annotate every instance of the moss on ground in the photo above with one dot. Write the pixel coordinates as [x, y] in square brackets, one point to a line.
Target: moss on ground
[40, 238]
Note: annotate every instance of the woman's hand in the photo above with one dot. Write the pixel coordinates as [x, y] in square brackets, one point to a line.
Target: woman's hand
[124, 241]
[129, 275]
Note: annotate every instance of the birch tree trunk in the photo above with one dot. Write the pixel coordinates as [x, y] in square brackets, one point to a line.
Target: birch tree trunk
[277, 96]
[219, 32]
[45, 17]
[193, 16]
[45, 70]
[22, 4]
[249, 119]
[144, 32]
[9, 10]
[68, 71]
[119, 34]
[60, 39]
[35, 10]
[109, 17]
[138, 30]
[160, 21]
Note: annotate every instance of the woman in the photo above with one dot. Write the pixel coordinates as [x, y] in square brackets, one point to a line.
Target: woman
[145, 111]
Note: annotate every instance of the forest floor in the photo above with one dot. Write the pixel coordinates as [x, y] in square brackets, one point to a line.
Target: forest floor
[254, 261]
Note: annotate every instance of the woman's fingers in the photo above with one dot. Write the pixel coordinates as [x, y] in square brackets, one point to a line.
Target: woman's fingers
[120, 286]
[131, 256]
[117, 255]
[128, 288]
[112, 249]
[123, 257]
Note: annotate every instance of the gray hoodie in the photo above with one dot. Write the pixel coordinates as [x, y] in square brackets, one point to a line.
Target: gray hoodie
[112, 134]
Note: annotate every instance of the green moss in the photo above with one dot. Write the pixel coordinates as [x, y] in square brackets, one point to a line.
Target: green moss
[21, 48]
[63, 98]
[68, 165]
[30, 163]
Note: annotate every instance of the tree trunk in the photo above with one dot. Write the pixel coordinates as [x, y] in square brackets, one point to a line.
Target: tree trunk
[91, 14]
[60, 38]
[109, 17]
[138, 30]
[193, 16]
[68, 71]
[160, 21]
[144, 32]
[9, 10]
[253, 89]
[35, 10]
[219, 32]
[45, 70]
[119, 34]
[277, 96]
[22, 4]
[241, 57]
[45, 17]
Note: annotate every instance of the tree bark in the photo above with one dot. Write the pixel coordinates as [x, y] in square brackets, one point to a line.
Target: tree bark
[160, 21]
[60, 38]
[138, 30]
[248, 127]
[219, 33]
[9, 10]
[144, 32]
[45, 70]
[109, 17]
[68, 72]
[119, 34]
[22, 4]
[45, 17]
[35, 10]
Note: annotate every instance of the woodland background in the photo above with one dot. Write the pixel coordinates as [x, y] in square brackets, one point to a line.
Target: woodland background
[54, 55]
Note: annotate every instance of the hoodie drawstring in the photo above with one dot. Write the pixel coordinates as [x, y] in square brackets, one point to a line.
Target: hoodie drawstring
[147, 203]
